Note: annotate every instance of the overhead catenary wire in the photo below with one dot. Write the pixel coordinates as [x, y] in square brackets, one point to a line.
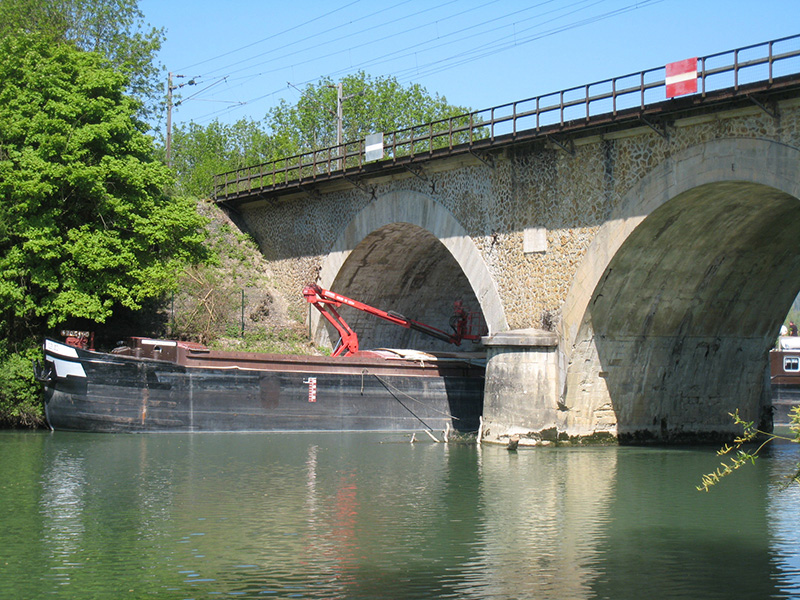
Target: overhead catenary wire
[245, 78]
[511, 35]
[489, 50]
[285, 31]
[381, 40]
[318, 45]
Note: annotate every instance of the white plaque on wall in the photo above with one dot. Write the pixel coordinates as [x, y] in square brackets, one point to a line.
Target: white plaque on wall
[534, 240]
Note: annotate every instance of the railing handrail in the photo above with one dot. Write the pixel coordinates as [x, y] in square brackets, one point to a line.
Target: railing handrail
[467, 126]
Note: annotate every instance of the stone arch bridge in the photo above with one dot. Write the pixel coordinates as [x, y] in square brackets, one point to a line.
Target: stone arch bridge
[633, 267]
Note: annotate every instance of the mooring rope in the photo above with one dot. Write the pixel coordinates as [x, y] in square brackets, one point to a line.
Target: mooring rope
[394, 389]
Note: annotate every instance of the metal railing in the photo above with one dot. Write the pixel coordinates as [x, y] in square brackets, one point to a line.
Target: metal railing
[611, 98]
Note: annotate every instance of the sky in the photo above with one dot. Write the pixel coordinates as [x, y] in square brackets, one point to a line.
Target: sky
[245, 56]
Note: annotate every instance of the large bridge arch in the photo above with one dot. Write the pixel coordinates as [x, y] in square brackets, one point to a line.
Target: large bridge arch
[411, 256]
[678, 300]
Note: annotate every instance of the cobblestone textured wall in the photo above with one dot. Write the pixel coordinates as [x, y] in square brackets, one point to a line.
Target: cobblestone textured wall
[653, 359]
[570, 196]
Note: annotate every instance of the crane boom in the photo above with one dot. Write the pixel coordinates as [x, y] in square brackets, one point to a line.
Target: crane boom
[326, 302]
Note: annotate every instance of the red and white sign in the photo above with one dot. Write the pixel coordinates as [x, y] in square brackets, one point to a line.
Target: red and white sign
[681, 77]
[312, 388]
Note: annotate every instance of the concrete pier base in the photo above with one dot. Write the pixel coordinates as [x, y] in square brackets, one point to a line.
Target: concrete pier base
[521, 397]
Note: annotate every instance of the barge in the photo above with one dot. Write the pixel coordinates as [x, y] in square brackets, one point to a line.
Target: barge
[784, 367]
[150, 385]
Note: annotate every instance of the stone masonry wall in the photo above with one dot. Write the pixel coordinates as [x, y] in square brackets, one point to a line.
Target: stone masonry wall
[529, 187]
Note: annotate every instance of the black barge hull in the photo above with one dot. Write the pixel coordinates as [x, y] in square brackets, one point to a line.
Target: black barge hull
[93, 391]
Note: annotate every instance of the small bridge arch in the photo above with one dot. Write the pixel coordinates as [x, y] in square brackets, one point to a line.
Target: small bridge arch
[410, 255]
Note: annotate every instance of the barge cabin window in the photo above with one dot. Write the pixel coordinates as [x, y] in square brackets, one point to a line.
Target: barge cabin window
[791, 363]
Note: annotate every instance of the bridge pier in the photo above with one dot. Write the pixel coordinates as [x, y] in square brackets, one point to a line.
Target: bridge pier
[521, 394]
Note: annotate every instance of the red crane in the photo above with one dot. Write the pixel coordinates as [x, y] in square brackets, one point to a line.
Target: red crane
[326, 302]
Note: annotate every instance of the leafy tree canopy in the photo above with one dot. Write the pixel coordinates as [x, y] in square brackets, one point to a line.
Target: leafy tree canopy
[86, 226]
[375, 104]
[114, 28]
[200, 152]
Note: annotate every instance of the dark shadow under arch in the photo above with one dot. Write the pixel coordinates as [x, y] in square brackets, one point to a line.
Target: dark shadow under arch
[404, 268]
[683, 316]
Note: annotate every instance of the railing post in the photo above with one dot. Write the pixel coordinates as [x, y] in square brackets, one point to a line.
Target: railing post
[587, 102]
[703, 76]
[614, 96]
[450, 132]
[514, 120]
[641, 87]
[770, 63]
[471, 124]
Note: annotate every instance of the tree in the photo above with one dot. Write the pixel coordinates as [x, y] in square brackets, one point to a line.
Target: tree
[200, 152]
[374, 104]
[114, 28]
[739, 456]
[86, 225]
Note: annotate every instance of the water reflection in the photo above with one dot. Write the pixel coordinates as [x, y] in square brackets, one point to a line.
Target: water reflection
[545, 514]
[783, 503]
[62, 509]
[371, 516]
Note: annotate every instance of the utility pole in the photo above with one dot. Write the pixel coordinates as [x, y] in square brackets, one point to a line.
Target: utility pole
[339, 121]
[170, 89]
[340, 98]
[169, 119]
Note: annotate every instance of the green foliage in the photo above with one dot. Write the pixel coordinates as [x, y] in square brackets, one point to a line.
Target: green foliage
[19, 392]
[114, 28]
[378, 104]
[739, 456]
[281, 341]
[208, 298]
[199, 153]
[87, 229]
[373, 105]
[87, 224]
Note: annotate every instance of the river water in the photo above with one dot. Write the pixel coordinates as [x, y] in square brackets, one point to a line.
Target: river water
[372, 516]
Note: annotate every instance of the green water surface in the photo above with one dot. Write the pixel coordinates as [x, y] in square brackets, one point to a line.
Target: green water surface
[373, 516]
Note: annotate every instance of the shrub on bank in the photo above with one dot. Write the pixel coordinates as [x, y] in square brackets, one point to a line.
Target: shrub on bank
[20, 394]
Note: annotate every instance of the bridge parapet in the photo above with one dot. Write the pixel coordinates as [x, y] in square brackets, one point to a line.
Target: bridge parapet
[753, 74]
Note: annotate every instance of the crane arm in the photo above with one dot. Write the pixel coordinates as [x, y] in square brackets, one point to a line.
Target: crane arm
[326, 302]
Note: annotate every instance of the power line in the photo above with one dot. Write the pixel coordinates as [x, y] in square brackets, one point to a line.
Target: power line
[280, 33]
[487, 48]
[315, 35]
[412, 50]
[383, 39]
[502, 45]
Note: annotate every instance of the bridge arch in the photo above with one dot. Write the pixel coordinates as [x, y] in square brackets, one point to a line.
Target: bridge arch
[412, 256]
[686, 285]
